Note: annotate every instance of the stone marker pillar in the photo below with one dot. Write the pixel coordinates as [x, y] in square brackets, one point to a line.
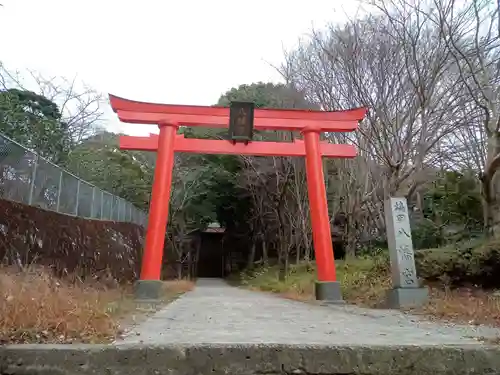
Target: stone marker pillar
[406, 290]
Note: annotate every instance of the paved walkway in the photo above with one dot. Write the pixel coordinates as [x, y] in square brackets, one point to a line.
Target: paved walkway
[217, 313]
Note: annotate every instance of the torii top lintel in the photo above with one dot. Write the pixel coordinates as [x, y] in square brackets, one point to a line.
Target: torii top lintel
[218, 117]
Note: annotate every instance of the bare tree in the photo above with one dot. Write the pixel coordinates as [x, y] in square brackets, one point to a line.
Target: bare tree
[397, 66]
[470, 33]
[80, 105]
[271, 183]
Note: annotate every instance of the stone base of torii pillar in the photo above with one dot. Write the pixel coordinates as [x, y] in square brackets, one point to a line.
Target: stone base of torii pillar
[148, 290]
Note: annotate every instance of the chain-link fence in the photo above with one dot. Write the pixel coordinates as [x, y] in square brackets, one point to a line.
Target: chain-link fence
[29, 178]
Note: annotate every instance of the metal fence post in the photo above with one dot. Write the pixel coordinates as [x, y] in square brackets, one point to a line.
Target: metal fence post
[59, 191]
[120, 204]
[102, 204]
[32, 182]
[33, 177]
[116, 208]
[92, 203]
[77, 197]
[111, 202]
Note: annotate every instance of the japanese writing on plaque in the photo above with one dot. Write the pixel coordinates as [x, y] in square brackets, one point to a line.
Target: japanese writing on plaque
[399, 206]
[405, 252]
[240, 126]
[408, 276]
[403, 233]
[400, 243]
[399, 210]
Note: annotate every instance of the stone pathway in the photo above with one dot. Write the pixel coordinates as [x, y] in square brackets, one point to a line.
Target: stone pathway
[216, 313]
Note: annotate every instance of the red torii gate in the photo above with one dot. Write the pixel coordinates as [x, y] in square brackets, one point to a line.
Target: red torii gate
[169, 117]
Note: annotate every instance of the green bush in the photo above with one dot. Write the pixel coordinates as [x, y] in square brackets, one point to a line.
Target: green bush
[473, 263]
[427, 235]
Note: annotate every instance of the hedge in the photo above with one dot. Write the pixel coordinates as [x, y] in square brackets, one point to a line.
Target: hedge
[474, 263]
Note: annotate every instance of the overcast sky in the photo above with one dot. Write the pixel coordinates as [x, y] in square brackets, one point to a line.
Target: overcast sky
[182, 52]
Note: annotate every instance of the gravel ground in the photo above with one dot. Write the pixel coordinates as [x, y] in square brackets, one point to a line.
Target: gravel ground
[217, 313]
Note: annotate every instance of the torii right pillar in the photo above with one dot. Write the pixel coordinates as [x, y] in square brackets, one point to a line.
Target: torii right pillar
[327, 288]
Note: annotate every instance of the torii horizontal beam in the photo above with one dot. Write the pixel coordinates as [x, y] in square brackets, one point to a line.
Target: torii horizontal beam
[271, 119]
[223, 121]
[122, 104]
[209, 146]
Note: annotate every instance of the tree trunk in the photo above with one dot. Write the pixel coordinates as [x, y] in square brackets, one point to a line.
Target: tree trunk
[307, 252]
[283, 260]
[281, 266]
[491, 187]
[297, 255]
[251, 256]
[287, 262]
[491, 216]
[190, 265]
[265, 256]
[350, 243]
[179, 270]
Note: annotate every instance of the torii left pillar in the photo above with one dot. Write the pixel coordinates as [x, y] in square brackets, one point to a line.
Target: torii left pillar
[150, 284]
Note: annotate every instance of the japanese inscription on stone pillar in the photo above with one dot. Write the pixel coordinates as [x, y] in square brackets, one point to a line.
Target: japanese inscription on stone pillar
[404, 274]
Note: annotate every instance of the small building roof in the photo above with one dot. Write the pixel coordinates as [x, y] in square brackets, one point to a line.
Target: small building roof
[214, 227]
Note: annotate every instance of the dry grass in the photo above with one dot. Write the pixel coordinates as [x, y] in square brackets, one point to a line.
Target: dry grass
[464, 305]
[365, 282]
[38, 308]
